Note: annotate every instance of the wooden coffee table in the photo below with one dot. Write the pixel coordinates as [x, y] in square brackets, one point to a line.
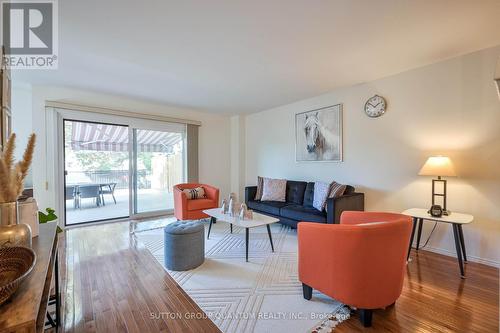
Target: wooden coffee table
[256, 221]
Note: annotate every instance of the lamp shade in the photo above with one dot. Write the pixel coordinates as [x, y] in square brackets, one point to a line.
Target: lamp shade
[438, 166]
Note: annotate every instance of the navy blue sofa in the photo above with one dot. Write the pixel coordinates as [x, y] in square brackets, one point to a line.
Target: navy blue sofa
[299, 204]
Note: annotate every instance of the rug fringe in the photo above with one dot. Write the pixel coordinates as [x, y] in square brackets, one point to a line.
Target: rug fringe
[328, 325]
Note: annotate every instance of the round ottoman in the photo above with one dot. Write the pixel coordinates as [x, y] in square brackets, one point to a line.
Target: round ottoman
[184, 245]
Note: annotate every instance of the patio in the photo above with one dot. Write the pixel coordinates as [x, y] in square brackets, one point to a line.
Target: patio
[98, 166]
[148, 200]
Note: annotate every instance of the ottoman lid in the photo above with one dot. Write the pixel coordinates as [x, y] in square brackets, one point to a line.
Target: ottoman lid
[183, 227]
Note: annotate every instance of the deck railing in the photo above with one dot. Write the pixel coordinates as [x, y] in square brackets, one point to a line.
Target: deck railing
[120, 177]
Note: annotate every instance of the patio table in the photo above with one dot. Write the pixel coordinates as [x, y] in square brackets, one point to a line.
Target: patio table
[99, 197]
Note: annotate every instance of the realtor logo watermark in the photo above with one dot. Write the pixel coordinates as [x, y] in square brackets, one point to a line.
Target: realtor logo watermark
[30, 34]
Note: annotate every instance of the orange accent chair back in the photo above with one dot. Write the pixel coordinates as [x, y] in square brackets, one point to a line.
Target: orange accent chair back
[359, 262]
[185, 209]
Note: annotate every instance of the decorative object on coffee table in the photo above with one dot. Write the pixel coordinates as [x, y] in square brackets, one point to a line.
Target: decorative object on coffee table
[224, 207]
[16, 262]
[12, 177]
[243, 211]
[318, 134]
[438, 166]
[231, 204]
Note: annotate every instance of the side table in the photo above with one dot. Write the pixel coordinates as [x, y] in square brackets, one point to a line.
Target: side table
[455, 219]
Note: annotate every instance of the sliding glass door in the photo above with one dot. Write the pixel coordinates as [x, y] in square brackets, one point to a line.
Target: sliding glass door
[96, 164]
[159, 165]
[115, 171]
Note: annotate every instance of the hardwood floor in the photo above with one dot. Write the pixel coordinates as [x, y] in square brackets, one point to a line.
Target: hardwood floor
[112, 284]
[436, 299]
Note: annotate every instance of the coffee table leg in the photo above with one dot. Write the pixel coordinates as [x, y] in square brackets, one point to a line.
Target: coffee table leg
[212, 220]
[270, 237]
[231, 227]
[411, 237]
[459, 250]
[246, 242]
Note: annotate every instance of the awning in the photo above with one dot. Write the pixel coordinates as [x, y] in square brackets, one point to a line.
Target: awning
[102, 137]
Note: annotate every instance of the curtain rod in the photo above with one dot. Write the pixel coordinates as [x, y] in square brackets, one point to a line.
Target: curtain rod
[103, 110]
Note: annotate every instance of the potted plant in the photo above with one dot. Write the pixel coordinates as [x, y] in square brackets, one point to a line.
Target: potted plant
[49, 217]
[12, 177]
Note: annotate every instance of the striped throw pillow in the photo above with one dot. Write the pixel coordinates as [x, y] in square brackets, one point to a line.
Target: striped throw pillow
[260, 185]
[195, 193]
[336, 190]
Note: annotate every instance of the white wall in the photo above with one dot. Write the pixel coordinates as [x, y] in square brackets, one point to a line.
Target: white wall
[214, 147]
[21, 120]
[237, 140]
[449, 108]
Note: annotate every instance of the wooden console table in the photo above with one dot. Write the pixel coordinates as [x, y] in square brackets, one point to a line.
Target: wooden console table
[26, 311]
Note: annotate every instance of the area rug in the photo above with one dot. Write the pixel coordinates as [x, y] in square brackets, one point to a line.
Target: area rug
[262, 295]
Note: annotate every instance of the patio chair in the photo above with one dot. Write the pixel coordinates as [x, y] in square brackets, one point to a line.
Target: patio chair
[89, 192]
[70, 194]
[108, 189]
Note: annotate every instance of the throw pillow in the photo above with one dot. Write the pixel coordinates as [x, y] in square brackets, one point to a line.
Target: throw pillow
[274, 190]
[336, 190]
[260, 185]
[195, 193]
[321, 191]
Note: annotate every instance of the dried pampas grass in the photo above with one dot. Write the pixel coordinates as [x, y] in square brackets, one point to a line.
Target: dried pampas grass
[12, 176]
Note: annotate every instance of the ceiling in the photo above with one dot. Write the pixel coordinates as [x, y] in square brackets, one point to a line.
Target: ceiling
[243, 56]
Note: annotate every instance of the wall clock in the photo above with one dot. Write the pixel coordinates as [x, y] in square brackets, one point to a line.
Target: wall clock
[375, 106]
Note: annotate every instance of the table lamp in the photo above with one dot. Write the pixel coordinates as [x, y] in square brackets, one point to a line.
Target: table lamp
[439, 166]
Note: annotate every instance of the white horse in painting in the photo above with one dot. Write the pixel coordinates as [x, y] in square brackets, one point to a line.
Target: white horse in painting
[320, 140]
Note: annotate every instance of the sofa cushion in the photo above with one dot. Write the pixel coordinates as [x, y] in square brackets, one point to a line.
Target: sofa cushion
[336, 190]
[274, 190]
[301, 213]
[199, 204]
[321, 191]
[309, 195]
[295, 192]
[260, 186]
[271, 207]
[349, 189]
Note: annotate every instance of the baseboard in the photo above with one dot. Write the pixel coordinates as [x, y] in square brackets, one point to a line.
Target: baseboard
[469, 257]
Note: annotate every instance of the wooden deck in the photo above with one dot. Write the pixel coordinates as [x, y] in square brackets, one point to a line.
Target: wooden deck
[112, 284]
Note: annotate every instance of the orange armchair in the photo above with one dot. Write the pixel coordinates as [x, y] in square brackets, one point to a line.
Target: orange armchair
[185, 209]
[359, 262]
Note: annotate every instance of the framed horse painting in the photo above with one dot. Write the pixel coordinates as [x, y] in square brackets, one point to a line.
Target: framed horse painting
[318, 135]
